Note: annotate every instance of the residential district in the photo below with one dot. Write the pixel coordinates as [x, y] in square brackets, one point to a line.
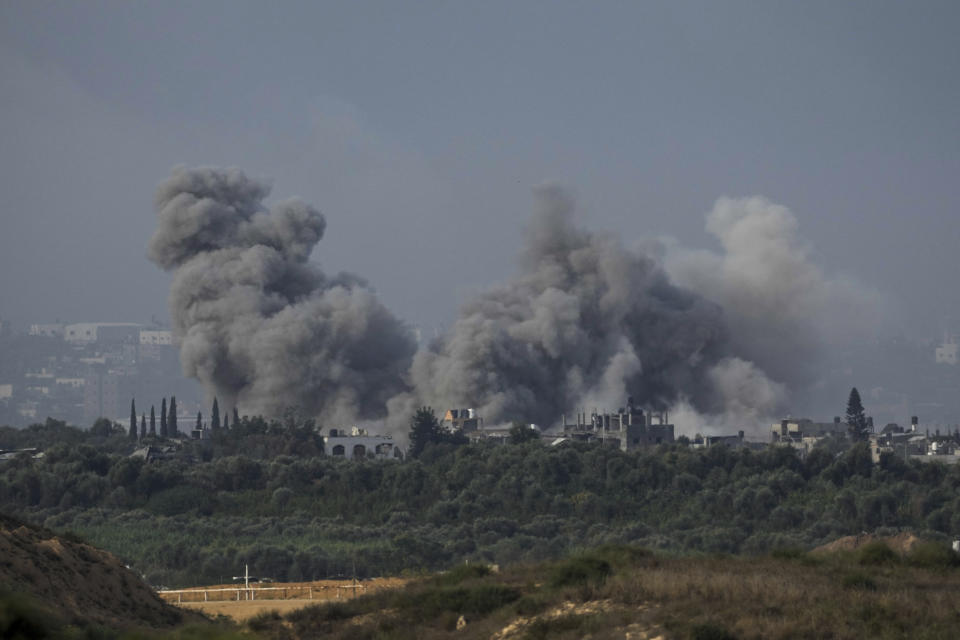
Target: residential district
[84, 371]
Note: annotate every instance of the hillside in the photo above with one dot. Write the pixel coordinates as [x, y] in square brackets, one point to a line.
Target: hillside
[80, 583]
[626, 592]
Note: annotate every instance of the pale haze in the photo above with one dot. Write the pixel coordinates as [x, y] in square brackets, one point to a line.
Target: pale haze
[422, 130]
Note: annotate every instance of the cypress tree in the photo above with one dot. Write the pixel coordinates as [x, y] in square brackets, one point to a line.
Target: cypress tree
[143, 426]
[215, 415]
[133, 419]
[199, 423]
[163, 418]
[153, 421]
[236, 418]
[226, 421]
[172, 430]
[856, 419]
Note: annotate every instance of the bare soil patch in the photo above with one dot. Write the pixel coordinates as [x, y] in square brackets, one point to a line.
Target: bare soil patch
[902, 543]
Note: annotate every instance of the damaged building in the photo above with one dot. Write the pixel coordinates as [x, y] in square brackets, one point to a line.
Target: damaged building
[628, 428]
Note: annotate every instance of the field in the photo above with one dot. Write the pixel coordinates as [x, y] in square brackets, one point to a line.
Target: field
[622, 591]
[240, 603]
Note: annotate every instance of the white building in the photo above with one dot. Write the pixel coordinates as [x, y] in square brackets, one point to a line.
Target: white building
[359, 444]
[47, 330]
[946, 353]
[86, 332]
[156, 337]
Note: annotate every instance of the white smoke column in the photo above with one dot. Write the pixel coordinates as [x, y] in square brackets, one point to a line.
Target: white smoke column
[584, 320]
[782, 310]
[259, 326]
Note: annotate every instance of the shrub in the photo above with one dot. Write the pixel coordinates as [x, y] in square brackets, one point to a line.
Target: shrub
[580, 570]
[21, 618]
[710, 631]
[478, 601]
[462, 573]
[933, 555]
[264, 620]
[788, 553]
[876, 553]
[530, 605]
[859, 580]
[541, 629]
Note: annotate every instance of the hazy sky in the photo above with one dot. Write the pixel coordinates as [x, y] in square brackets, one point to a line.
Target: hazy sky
[418, 128]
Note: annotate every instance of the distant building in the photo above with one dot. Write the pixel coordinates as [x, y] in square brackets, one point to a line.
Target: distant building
[796, 430]
[804, 434]
[359, 445]
[628, 428]
[946, 352]
[103, 332]
[737, 441]
[101, 395]
[156, 337]
[465, 420]
[47, 330]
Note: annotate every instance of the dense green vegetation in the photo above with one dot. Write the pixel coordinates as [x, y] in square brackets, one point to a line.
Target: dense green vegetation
[263, 494]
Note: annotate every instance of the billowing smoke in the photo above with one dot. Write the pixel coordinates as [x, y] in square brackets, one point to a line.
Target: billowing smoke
[259, 326]
[782, 310]
[586, 323]
[718, 338]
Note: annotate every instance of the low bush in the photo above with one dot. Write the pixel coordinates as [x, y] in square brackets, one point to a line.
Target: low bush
[462, 573]
[859, 580]
[574, 626]
[876, 553]
[479, 600]
[710, 631]
[579, 571]
[933, 555]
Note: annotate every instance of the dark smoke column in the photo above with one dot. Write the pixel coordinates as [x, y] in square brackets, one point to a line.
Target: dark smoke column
[585, 323]
[259, 326]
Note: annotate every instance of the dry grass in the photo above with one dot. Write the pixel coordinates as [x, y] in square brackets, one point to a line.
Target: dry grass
[776, 598]
[245, 609]
[620, 592]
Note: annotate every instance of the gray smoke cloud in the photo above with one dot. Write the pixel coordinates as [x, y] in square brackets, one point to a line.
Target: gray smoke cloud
[585, 323]
[259, 325]
[783, 310]
[720, 338]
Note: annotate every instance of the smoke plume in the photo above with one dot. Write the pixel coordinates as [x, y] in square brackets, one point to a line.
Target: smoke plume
[259, 326]
[585, 323]
[782, 310]
[718, 338]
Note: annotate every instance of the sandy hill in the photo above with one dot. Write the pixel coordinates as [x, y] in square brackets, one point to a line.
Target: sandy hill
[79, 582]
[902, 543]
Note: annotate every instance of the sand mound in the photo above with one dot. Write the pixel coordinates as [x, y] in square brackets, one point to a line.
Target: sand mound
[902, 543]
[79, 582]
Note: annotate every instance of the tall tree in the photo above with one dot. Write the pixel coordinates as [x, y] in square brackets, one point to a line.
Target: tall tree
[236, 417]
[226, 420]
[856, 419]
[153, 421]
[215, 415]
[172, 430]
[143, 426]
[425, 429]
[133, 419]
[163, 418]
[199, 421]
